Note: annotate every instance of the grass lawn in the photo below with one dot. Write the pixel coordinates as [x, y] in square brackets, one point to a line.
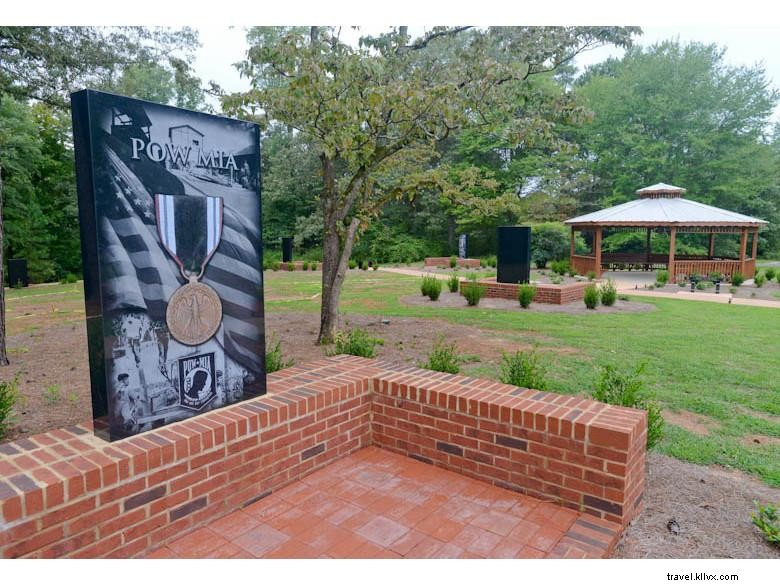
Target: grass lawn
[717, 361]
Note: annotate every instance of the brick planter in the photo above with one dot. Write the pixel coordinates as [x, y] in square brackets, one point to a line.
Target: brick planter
[67, 493]
[445, 262]
[551, 294]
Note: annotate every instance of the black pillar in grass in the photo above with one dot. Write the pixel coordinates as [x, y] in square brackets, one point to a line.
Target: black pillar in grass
[287, 244]
[514, 254]
[17, 272]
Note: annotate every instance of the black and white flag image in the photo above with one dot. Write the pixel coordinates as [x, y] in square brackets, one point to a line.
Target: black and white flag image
[178, 241]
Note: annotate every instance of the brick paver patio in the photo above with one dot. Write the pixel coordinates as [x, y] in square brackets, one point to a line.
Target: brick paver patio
[377, 504]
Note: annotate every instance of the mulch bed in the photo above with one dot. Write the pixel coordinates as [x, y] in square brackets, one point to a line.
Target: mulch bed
[448, 299]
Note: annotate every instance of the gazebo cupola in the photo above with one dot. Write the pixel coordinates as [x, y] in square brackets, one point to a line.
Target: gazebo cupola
[662, 208]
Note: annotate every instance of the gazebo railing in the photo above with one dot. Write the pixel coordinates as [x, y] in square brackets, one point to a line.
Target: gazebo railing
[584, 264]
[705, 267]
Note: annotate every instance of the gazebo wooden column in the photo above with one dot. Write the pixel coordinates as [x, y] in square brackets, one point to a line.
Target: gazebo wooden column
[742, 250]
[597, 251]
[754, 253]
[571, 244]
[672, 246]
[647, 246]
[712, 246]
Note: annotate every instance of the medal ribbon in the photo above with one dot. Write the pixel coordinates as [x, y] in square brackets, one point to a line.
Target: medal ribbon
[190, 229]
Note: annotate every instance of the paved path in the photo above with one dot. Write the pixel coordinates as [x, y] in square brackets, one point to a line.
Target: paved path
[377, 504]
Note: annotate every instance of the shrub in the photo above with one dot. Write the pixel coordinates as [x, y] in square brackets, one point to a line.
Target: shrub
[701, 285]
[733, 290]
[375, 266]
[431, 287]
[571, 272]
[628, 389]
[737, 279]
[681, 284]
[352, 264]
[608, 293]
[453, 261]
[357, 342]
[313, 266]
[443, 358]
[623, 297]
[453, 283]
[525, 294]
[69, 278]
[364, 265]
[591, 275]
[275, 265]
[290, 267]
[8, 396]
[483, 263]
[770, 273]
[556, 279]
[591, 296]
[560, 267]
[274, 361]
[305, 265]
[524, 369]
[473, 291]
[767, 519]
[662, 277]
[549, 241]
[715, 276]
[759, 279]
[492, 261]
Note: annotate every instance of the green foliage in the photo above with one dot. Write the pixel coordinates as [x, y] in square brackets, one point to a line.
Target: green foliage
[770, 273]
[715, 276]
[473, 291]
[290, 267]
[662, 277]
[733, 290]
[52, 394]
[767, 520]
[352, 264]
[9, 394]
[431, 287]
[275, 265]
[305, 265]
[591, 275]
[714, 144]
[443, 357]
[608, 292]
[556, 279]
[524, 369]
[453, 261]
[549, 241]
[453, 283]
[274, 360]
[628, 389]
[357, 342]
[69, 278]
[492, 261]
[623, 297]
[560, 267]
[737, 279]
[591, 296]
[759, 279]
[525, 294]
[364, 265]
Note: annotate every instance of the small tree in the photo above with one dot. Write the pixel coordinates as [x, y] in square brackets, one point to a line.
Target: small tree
[377, 110]
[549, 241]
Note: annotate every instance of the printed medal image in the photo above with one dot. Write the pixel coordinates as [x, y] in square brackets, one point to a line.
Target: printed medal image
[190, 229]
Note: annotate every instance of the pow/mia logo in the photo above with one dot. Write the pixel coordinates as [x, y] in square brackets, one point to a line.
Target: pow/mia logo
[197, 381]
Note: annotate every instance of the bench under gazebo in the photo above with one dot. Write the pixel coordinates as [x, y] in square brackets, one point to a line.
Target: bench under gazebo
[661, 208]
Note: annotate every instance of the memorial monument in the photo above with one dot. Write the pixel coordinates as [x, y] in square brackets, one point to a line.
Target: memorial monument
[169, 205]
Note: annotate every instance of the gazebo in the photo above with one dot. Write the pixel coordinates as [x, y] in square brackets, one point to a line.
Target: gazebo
[661, 208]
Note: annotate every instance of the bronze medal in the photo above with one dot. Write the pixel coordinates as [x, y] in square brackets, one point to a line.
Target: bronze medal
[194, 313]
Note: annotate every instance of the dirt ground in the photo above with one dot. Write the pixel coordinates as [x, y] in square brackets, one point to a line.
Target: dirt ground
[712, 505]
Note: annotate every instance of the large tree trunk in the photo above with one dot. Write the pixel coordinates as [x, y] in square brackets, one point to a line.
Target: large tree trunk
[3, 352]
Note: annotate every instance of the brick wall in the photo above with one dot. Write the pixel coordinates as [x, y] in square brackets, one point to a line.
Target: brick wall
[551, 294]
[445, 261]
[68, 493]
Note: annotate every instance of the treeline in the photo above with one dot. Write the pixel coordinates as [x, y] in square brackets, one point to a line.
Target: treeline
[671, 112]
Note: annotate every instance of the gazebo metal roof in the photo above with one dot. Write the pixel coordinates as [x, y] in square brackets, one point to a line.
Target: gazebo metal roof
[662, 205]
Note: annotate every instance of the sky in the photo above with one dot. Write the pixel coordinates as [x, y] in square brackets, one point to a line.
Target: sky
[745, 45]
